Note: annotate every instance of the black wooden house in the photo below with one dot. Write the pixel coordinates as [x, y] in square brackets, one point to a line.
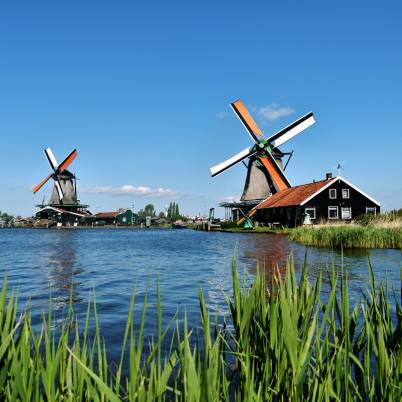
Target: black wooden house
[332, 199]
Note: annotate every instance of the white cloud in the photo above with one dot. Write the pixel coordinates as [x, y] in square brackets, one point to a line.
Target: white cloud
[273, 111]
[221, 115]
[231, 198]
[128, 189]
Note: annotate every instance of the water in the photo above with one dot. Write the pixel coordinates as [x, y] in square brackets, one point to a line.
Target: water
[49, 265]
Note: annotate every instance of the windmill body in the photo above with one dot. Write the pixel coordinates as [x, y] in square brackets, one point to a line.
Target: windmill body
[63, 207]
[265, 171]
[259, 184]
[67, 182]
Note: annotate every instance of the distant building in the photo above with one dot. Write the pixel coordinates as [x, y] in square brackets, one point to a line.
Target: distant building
[332, 199]
[122, 217]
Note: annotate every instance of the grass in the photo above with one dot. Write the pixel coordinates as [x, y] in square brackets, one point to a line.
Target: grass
[284, 343]
[367, 231]
[351, 236]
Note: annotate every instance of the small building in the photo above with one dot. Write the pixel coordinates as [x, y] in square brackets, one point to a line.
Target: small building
[332, 199]
[50, 216]
[121, 217]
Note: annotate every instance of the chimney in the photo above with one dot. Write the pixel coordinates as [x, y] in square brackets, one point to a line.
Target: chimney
[328, 176]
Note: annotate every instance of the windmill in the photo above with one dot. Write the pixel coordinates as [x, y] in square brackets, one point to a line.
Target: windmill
[63, 204]
[265, 172]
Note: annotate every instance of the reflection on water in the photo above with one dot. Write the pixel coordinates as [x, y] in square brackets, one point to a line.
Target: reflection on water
[267, 251]
[54, 264]
[62, 270]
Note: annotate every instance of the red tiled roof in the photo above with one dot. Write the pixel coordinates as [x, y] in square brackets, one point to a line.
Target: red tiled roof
[292, 196]
[107, 215]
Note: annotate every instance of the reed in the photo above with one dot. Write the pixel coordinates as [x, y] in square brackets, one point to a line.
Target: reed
[284, 344]
[352, 236]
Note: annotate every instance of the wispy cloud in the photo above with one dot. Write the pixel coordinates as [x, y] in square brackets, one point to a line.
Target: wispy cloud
[273, 112]
[221, 115]
[129, 190]
[231, 198]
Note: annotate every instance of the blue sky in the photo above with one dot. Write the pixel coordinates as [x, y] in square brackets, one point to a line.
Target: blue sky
[142, 90]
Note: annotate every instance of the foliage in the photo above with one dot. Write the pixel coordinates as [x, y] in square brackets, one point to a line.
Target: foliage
[230, 225]
[288, 344]
[149, 210]
[173, 212]
[389, 219]
[4, 216]
[348, 236]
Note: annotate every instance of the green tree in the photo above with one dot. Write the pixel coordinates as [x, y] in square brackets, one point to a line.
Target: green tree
[173, 211]
[150, 210]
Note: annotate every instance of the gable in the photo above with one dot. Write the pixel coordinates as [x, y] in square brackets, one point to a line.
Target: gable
[337, 180]
[292, 195]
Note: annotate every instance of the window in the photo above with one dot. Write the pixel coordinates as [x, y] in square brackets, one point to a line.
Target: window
[332, 193]
[370, 211]
[345, 193]
[346, 213]
[332, 212]
[310, 211]
[289, 213]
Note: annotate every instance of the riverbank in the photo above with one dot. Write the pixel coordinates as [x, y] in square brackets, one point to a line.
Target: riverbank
[351, 236]
[258, 229]
[277, 349]
[379, 233]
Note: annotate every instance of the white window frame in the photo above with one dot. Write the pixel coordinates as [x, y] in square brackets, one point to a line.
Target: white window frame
[350, 213]
[333, 207]
[313, 209]
[330, 190]
[348, 193]
[372, 208]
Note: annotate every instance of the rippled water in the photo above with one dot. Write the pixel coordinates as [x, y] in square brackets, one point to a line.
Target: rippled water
[49, 264]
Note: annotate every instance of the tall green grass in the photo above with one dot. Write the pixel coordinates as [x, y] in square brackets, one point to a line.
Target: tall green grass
[282, 342]
[348, 236]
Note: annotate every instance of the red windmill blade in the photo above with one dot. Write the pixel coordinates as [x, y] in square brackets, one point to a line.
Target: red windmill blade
[57, 170]
[265, 150]
[67, 162]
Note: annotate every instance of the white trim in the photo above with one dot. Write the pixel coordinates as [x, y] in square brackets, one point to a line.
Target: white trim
[318, 191]
[348, 190]
[358, 189]
[337, 211]
[62, 211]
[313, 208]
[333, 181]
[350, 213]
[375, 210]
[336, 194]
